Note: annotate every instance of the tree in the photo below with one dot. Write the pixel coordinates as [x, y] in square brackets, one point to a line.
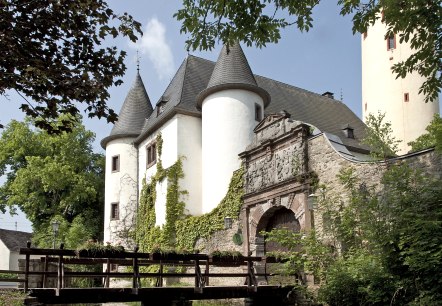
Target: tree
[383, 243]
[52, 53]
[431, 139]
[53, 177]
[378, 137]
[259, 22]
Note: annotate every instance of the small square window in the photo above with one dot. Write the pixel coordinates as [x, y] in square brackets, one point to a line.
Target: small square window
[391, 42]
[113, 267]
[115, 163]
[258, 112]
[115, 211]
[406, 97]
[151, 151]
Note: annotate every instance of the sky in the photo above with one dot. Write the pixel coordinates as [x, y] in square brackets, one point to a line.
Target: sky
[327, 58]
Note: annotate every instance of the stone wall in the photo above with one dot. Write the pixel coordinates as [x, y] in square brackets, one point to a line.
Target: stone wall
[36, 281]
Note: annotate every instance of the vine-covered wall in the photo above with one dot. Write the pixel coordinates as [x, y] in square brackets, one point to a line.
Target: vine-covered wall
[180, 231]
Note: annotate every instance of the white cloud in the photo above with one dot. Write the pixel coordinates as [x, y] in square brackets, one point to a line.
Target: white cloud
[154, 44]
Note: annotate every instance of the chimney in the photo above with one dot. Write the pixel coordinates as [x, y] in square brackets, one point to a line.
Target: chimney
[328, 94]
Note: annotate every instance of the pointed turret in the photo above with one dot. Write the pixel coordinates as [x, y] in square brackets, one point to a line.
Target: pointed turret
[231, 106]
[135, 110]
[232, 71]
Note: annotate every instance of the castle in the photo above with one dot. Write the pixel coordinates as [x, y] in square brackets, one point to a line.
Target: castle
[215, 116]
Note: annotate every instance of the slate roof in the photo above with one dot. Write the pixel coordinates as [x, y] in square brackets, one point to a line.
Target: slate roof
[232, 71]
[193, 76]
[14, 240]
[136, 108]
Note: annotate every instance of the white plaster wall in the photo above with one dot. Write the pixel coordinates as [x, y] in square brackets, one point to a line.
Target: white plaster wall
[4, 256]
[228, 119]
[382, 91]
[189, 147]
[121, 187]
[160, 203]
[169, 156]
[13, 260]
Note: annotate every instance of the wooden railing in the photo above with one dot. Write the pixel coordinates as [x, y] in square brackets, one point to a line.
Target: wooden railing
[135, 260]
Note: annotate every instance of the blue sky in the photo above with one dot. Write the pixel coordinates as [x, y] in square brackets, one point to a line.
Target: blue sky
[327, 58]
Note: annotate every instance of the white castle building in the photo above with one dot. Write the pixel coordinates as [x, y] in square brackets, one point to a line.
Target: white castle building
[207, 116]
[398, 98]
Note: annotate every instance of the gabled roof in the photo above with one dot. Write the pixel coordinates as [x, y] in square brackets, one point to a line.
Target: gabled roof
[136, 108]
[14, 240]
[325, 113]
[232, 71]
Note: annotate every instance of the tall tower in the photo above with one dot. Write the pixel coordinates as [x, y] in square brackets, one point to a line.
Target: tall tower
[398, 98]
[121, 191]
[232, 105]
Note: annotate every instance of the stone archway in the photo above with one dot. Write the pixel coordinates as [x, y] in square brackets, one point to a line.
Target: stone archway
[288, 210]
[283, 218]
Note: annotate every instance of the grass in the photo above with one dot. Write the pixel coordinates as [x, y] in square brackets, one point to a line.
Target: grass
[12, 297]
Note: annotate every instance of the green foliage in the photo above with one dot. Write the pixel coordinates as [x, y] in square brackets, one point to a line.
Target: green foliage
[260, 22]
[378, 137]
[305, 252]
[12, 297]
[431, 139]
[383, 242]
[190, 229]
[147, 235]
[53, 177]
[54, 54]
[390, 238]
[96, 248]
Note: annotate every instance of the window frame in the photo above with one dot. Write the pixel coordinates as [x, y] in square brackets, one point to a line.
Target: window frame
[258, 112]
[151, 154]
[115, 211]
[391, 39]
[115, 163]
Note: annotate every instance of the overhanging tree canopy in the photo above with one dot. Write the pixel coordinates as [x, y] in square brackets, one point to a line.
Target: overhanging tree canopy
[260, 22]
[52, 52]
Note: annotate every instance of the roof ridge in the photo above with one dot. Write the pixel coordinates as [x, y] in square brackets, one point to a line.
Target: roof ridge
[184, 80]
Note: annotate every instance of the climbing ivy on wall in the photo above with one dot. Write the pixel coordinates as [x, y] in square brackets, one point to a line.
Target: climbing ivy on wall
[190, 229]
[147, 235]
[180, 231]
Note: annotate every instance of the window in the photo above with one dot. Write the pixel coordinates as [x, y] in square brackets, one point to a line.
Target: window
[113, 267]
[115, 211]
[406, 97]
[365, 35]
[391, 42]
[151, 151]
[258, 112]
[115, 163]
[160, 108]
[365, 106]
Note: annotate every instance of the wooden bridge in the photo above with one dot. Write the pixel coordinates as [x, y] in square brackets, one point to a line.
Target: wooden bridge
[198, 264]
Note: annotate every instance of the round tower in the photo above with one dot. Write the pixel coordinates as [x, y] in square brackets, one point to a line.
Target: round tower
[398, 98]
[232, 105]
[121, 189]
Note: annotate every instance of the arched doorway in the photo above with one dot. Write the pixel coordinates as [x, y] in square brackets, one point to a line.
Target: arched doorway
[282, 219]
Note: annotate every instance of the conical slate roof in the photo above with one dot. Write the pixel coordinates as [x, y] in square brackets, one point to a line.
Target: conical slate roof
[232, 71]
[134, 112]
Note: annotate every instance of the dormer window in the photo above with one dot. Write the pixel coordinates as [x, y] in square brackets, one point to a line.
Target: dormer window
[348, 131]
[161, 105]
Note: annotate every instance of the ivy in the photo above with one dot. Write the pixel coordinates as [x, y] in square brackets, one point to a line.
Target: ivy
[147, 235]
[180, 231]
[190, 229]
